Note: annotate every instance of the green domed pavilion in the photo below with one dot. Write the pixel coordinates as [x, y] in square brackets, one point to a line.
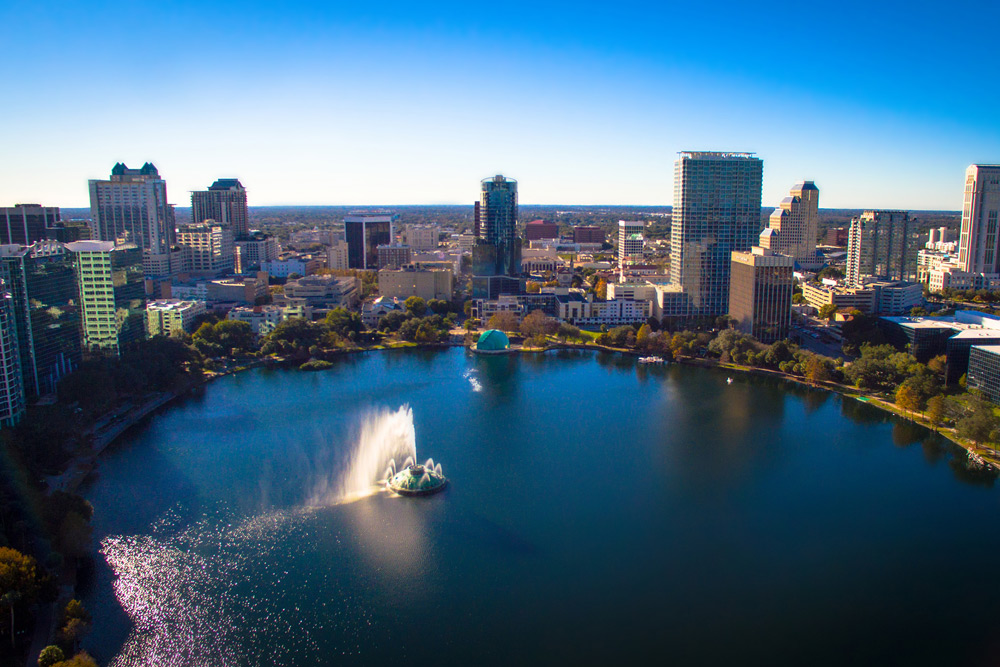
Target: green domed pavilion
[492, 340]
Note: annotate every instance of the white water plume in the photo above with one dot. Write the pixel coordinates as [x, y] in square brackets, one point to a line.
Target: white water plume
[386, 438]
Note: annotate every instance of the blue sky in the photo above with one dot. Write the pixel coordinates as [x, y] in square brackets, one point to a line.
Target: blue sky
[882, 104]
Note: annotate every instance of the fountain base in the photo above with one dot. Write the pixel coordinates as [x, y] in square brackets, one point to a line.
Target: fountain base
[417, 480]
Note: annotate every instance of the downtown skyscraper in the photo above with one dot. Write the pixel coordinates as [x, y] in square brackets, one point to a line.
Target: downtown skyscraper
[979, 242]
[883, 245]
[131, 208]
[716, 211]
[496, 255]
[792, 226]
[225, 201]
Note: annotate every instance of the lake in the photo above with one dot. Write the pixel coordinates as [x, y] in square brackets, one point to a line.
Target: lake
[598, 510]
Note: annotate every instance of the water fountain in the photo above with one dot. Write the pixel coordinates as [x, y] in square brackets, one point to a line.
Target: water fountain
[386, 437]
[416, 480]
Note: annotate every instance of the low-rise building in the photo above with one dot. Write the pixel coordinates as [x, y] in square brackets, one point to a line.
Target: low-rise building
[927, 337]
[165, 317]
[417, 280]
[263, 319]
[423, 237]
[292, 264]
[373, 311]
[325, 291]
[539, 229]
[244, 289]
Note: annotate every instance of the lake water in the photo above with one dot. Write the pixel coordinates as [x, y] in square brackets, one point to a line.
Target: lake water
[598, 511]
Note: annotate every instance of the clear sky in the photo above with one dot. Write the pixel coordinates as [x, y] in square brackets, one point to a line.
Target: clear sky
[882, 103]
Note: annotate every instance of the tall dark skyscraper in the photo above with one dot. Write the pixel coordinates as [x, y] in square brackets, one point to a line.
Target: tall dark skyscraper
[364, 233]
[45, 312]
[716, 211]
[497, 251]
[131, 207]
[225, 202]
[26, 223]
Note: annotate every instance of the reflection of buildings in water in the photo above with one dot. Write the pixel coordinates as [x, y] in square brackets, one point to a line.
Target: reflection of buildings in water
[498, 375]
[726, 430]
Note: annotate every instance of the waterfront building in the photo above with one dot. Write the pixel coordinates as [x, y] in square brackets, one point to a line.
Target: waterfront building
[112, 294]
[427, 282]
[792, 227]
[984, 371]
[588, 234]
[131, 208]
[423, 237]
[927, 337]
[539, 229]
[760, 293]
[25, 224]
[165, 317]
[393, 256]
[263, 319]
[225, 202]
[364, 233]
[716, 211]
[250, 253]
[210, 245]
[373, 311]
[497, 250]
[45, 313]
[12, 404]
[883, 245]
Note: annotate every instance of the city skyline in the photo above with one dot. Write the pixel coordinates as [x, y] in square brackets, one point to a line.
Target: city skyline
[312, 104]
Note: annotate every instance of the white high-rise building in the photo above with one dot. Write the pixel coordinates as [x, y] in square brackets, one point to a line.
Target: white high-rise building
[979, 243]
[131, 208]
[630, 243]
[716, 211]
[792, 226]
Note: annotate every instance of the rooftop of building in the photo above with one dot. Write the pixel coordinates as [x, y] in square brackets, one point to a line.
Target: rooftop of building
[992, 349]
[90, 246]
[171, 304]
[717, 155]
[226, 184]
[963, 320]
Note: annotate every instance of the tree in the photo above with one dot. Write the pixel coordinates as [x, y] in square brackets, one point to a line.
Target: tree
[568, 332]
[20, 584]
[532, 287]
[81, 659]
[344, 322]
[938, 364]
[937, 408]
[471, 324]
[830, 272]
[537, 323]
[439, 306]
[392, 320]
[73, 625]
[828, 311]
[504, 320]
[50, 655]
[979, 424]
[907, 398]
[416, 305]
[817, 369]
[642, 337]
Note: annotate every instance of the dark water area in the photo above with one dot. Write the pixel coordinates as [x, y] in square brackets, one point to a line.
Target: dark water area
[597, 511]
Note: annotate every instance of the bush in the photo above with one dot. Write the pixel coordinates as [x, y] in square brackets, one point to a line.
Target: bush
[50, 655]
[315, 365]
